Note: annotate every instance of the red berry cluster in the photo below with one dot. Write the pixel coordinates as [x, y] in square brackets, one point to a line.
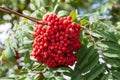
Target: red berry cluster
[56, 41]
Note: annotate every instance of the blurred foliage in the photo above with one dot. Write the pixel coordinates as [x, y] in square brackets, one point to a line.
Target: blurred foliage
[18, 5]
[98, 57]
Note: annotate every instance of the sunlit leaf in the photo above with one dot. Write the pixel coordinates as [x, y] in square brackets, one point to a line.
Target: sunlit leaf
[83, 22]
[26, 12]
[37, 2]
[49, 74]
[111, 53]
[63, 13]
[32, 6]
[73, 14]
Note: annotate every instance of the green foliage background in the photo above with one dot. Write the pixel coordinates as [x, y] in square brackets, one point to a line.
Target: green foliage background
[98, 57]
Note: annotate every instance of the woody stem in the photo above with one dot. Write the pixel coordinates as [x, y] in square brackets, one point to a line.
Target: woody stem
[9, 11]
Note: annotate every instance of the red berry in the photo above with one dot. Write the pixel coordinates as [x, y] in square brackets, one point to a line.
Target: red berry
[45, 44]
[59, 52]
[54, 45]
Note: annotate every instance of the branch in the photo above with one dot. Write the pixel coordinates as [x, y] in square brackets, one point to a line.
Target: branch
[88, 32]
[117, 6]
[9, 11]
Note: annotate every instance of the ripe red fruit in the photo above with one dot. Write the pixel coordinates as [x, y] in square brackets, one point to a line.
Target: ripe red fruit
[56, 42]
[45, 45]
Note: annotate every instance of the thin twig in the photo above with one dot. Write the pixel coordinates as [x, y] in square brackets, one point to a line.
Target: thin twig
[9, 11]
[89, 33]
[36, 67]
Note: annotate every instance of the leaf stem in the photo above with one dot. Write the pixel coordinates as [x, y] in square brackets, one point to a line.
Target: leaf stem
[36, 67]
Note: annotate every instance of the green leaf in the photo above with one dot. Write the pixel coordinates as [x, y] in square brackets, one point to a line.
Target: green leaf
[39, 15]
[73, 14]
[113, 46]
[34, 14]
[46, 2]
[82, 35]
[88, 55]
[22, 78]
[119, 41]
[41, 68]
[55, 8]
[95, 72]
[81, 53]
[67, 74]
[27, 57]
[87, 59]
[63, 69]
[111, 53]
[96, 34]
[32, 6]
[9, 53]
[59, 78]
[109, 35]
[0, 63]
[100, 44]
[63, 13]
[3, 56]
[76, 76]
[27, 41]
[105, 77]
[13, 42]
[37, 3]
[91, 64]
[24, 71]
[116, 74]
[54, 5]
[83, 22]
[48, 74]
[43, 10]
[23, 49]
[26, 12]
[114, 62]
